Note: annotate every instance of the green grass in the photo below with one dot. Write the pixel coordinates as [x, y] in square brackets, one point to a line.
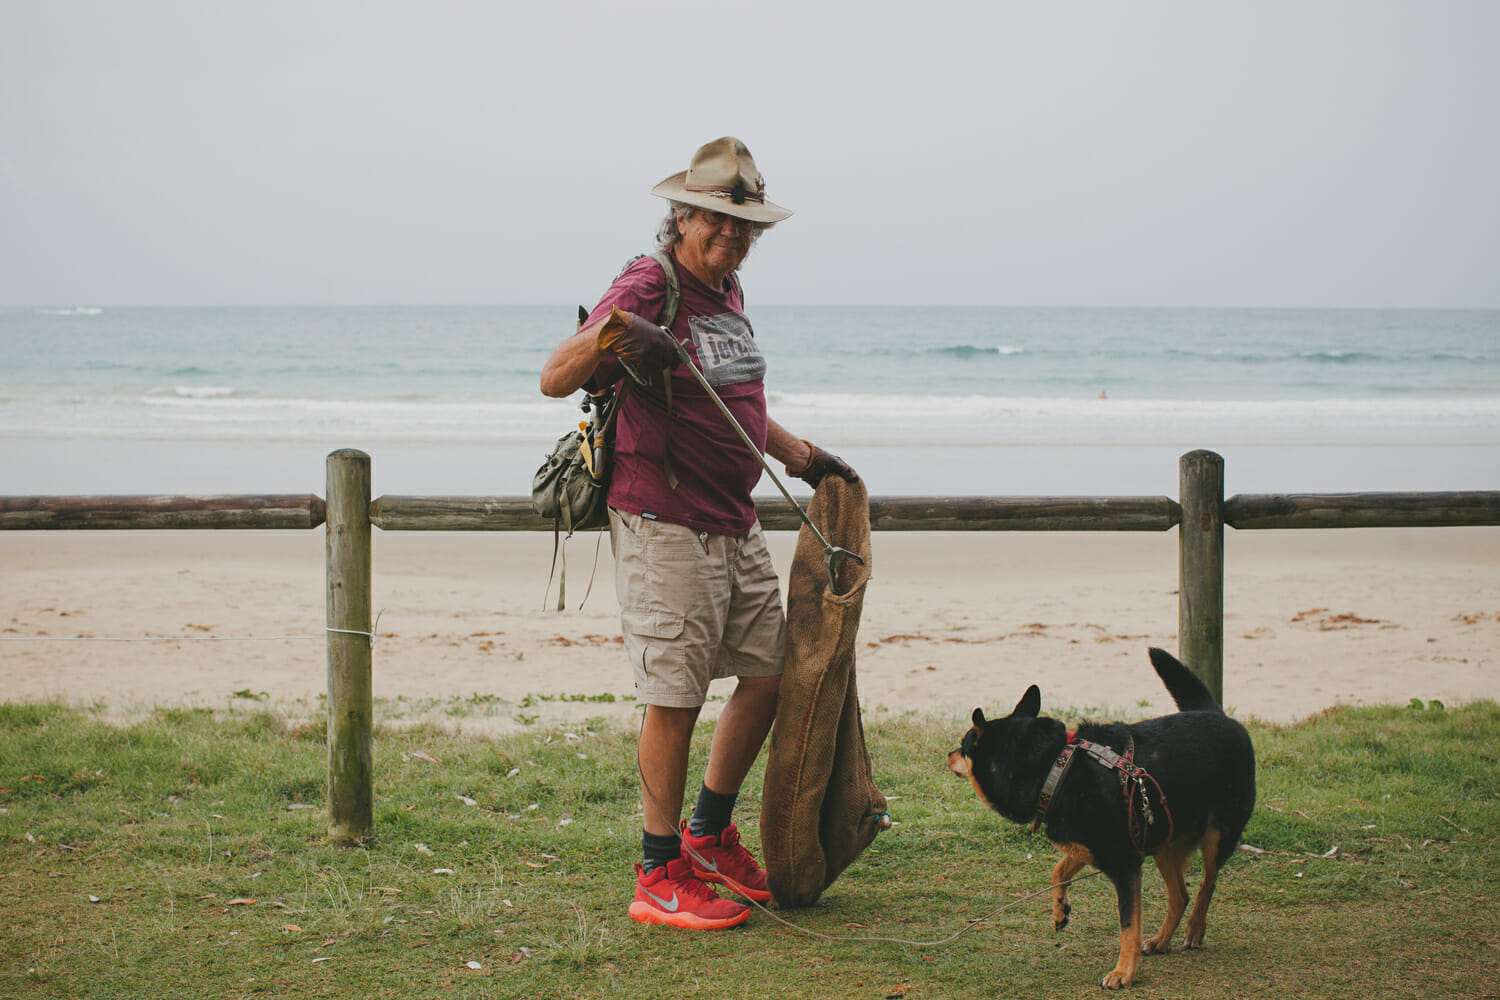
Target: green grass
[186, 856]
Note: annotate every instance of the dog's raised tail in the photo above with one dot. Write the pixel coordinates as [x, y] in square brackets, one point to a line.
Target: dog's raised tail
[1186, 689]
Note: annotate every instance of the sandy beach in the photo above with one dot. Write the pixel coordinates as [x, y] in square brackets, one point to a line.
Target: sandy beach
[131, 621]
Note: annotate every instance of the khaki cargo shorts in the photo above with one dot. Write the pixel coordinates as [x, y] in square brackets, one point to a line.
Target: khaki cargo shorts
[694, 607]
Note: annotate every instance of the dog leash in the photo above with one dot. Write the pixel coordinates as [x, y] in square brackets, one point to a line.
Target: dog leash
[1132, 773]
[844, 938]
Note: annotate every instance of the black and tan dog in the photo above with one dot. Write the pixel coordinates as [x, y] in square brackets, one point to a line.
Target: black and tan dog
[1113, 793]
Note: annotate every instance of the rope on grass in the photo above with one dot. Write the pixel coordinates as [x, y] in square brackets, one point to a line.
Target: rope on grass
[974, 922]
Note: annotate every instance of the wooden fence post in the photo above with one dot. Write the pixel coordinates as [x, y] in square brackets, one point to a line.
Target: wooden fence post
[1200, 568]
[350, 704]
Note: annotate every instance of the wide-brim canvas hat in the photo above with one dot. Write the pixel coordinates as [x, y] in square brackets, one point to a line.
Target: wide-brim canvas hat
[723, 178]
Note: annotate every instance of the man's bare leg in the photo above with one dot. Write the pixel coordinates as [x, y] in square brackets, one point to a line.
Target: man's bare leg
[666, 738]
[741, 732]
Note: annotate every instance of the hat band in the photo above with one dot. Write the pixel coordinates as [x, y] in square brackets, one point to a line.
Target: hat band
[737, 194]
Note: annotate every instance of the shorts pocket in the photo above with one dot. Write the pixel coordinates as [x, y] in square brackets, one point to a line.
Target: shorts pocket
[653, 624]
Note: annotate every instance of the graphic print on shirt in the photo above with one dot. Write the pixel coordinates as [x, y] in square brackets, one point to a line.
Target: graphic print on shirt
[727, 351]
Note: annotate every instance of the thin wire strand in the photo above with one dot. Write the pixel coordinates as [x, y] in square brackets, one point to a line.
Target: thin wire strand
[974, 922]
[159, 638]
[371, 635]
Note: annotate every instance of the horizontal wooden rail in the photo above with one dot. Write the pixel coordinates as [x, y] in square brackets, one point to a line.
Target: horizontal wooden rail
[1245, 512]
[410, 513]
[1249, 511]
[406, 513]
[69, 513]
[1007, 514]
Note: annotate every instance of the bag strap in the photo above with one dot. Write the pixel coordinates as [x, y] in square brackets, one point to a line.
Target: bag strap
[614, 410]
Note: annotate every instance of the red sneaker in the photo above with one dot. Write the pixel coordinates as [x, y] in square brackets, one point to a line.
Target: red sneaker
[671, 894]
[724, 860]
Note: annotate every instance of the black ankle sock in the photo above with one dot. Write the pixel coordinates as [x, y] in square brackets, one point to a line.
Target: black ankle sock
[659, 848]
[712, 814]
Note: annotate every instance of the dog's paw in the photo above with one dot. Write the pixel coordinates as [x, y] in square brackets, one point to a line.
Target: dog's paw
[1155, 947]
[1060, 916]
[1118, 979]
[1194, 938]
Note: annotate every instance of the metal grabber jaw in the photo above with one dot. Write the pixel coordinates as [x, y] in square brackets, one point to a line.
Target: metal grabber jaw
[833, 557]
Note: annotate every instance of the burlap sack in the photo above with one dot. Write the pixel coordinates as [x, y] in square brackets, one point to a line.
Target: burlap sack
[820, 807]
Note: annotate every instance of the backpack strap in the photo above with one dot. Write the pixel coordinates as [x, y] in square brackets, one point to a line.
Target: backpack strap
[664, 319]
[674, 289]
[668, 313]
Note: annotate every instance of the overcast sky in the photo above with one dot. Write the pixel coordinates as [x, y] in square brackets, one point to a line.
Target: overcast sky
[1298, 153]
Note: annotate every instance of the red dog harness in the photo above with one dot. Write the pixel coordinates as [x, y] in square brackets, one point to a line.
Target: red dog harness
[1133, 780]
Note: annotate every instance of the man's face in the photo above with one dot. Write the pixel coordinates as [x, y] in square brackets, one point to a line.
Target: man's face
[713, 244]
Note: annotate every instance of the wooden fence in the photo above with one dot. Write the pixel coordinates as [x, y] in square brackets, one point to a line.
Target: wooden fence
[349, 513]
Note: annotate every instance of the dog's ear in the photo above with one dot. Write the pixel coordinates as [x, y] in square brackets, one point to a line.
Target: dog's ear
[979, 717]
[1030, 703]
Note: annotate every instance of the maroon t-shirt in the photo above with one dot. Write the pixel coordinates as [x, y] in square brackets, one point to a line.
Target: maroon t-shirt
[715, 471]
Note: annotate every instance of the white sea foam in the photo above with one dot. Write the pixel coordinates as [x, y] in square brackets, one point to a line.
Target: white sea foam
[988, 420]
[221, 413]
[224, 414]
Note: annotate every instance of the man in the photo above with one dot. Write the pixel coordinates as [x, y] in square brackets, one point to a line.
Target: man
[699, 598]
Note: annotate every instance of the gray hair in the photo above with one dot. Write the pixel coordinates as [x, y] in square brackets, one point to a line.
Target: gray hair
[668, 235]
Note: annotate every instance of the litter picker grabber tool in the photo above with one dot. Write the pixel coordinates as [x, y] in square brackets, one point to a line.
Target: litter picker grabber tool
[833, 556]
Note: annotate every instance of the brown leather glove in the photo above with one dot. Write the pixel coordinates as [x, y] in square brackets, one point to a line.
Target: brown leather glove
[642, 347]
[821, 464]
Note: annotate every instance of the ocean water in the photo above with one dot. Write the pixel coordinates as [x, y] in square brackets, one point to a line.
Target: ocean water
[943, 401]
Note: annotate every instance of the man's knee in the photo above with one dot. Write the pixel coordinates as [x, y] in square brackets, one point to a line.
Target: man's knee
[760, 688]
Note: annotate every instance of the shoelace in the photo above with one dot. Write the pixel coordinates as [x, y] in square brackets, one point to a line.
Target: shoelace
[739, 856]
[692, 885]
[734, 852]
